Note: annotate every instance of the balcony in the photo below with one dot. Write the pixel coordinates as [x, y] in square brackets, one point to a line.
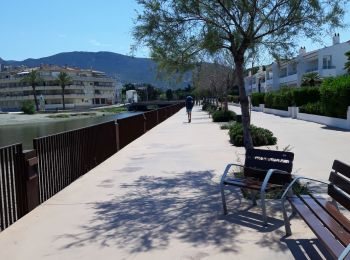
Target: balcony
[312, 69]
[289, 79]
[329, 71]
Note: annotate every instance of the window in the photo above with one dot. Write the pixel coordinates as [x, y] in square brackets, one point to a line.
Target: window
[327, 62]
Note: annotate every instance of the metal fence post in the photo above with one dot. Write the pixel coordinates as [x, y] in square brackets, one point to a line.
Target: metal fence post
[32, 179]
[117, 136]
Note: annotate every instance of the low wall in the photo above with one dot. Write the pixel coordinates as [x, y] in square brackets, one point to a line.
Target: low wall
[293, 112]
[325, 120]
[276, 112]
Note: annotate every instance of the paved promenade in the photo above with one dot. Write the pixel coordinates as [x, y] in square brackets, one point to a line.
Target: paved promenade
[158, 198]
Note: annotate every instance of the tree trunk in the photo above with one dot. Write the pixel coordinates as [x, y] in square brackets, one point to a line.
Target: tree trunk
[239, 75]
[35, 99]
[64, 105]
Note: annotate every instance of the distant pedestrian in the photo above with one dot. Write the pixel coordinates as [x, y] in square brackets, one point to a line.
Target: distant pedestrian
[189, 106]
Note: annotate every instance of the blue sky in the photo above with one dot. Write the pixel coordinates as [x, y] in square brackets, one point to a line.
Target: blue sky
[40, 28]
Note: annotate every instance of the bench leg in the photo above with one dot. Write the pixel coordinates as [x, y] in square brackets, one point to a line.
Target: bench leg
[286, 218]
[223, 200]
[253, 197]
[263, 208]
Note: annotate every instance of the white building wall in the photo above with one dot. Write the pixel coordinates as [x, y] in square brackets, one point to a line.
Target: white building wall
[305, 62]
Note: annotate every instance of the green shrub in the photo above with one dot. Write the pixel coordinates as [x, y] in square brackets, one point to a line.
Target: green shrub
[312, 108]
[258, 98]
[305, 95]
[28, 107]
[232, 98]
[335, 96]
[260, 136]
[209, 107]
[223, 116]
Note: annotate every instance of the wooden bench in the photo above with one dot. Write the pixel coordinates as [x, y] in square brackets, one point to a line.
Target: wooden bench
[330, 226]
[263, 170]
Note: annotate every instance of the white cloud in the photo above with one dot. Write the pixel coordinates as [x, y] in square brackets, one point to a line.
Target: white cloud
[99, 44]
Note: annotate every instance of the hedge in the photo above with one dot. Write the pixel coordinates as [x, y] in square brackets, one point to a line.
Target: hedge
[332, 98]
[258, 98]
[306, 95]
[335, 96]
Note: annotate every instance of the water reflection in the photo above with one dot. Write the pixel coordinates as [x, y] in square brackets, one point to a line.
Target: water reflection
[25, 133]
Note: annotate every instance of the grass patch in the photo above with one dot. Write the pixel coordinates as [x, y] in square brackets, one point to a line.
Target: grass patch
[114, 110]
[59, 116]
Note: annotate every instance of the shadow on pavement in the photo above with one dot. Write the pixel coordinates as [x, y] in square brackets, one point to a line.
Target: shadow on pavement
[185, 206]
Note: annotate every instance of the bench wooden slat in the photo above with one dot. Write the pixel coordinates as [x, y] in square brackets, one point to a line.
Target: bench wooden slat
[325, 236]
[331, 209]
[339, 196]
[328, 220]
[249, 184]
[340, 182]
[342, 168]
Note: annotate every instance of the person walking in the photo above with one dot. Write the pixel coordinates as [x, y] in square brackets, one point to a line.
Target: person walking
[189, 105]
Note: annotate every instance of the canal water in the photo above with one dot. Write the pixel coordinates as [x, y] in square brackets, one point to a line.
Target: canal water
[25, 133]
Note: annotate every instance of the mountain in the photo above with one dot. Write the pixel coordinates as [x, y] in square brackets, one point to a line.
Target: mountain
[125, 68]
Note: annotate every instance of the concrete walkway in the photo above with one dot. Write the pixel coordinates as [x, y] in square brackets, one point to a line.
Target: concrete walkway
[158, 198]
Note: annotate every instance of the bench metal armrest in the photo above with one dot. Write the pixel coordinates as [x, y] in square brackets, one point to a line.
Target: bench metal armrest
[344, 253]
[295, 180]
[226, 171]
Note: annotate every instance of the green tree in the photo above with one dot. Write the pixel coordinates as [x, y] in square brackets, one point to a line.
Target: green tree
[33, 79]
[181, 32]
[169, 94]
[63, 79]
[347, 64]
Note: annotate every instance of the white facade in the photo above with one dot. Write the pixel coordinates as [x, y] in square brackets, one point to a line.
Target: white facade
[131, 96]
[327, 62]
[88, 88]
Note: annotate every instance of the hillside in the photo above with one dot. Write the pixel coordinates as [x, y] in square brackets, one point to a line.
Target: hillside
[125, 68]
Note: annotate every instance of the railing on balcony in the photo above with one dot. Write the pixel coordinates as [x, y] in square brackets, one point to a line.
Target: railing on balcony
[313, 69]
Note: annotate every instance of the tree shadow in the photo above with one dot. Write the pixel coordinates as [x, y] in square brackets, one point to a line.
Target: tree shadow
[154, 210]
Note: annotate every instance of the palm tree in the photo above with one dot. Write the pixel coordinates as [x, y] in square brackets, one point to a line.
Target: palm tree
[64, 80]
[311, 79]
[33, 79]
[347, 64]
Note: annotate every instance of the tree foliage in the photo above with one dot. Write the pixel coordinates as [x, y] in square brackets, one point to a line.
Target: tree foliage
[63, 79]
[347, 64]
[33, 79]
[180, 33]
[311, 79]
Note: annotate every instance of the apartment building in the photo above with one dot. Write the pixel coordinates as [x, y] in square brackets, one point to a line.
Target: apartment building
[327, 62]
[88, 87]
